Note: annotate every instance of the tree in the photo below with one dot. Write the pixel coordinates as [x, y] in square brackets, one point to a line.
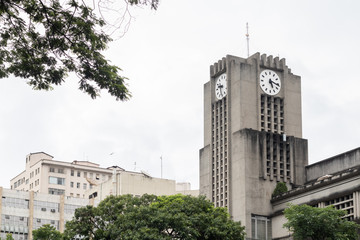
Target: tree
[44, 40]
[150, 217]
[46, 232]
[279, 189]
[9, 236]
[313, 223]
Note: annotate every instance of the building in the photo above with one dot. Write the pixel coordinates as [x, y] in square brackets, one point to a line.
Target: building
[49, 191]
[253, 140]
[45, 175]
[137, 184]
[333, 181]
[83, 179]
[22, 212]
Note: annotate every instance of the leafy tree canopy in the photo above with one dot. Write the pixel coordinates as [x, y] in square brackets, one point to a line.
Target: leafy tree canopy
[150, 217]
[9, 236]
[313, 223]
[44, 40]
[279, 189]
[46, 232]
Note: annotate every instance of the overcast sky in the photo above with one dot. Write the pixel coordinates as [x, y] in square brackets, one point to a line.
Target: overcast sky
[166, 56]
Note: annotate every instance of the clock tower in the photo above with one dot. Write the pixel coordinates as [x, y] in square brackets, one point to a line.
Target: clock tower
[252, 137]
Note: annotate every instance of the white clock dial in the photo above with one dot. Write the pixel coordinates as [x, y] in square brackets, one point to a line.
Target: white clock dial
[221, 86]
[270, 82]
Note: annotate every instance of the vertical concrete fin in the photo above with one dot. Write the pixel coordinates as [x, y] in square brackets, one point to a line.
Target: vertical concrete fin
[216, 68]
[282, 64]
[276, 63]
[270, 62]
[61, 211]
[220, 65]
[212, 70]
[223, 66]
[31, 214]
[263, 60]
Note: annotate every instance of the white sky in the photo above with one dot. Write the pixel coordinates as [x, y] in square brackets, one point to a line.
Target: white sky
[166, 56]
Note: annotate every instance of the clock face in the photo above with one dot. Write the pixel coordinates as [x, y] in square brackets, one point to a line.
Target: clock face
[221, 86]
[270, 82]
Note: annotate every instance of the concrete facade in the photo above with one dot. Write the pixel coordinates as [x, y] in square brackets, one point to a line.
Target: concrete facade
[342, 190]
[251, 140]
[22, 212]
[137, 184]
[332, 165]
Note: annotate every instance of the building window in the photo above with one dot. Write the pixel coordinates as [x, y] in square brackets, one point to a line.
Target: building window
[72, 184]
[85, 174]
[44, 206]
[60, 170]
[345, 203]
[15, 203]
[70, 209]
[55, 191]
[78, 173]
[84, 186]
[72, 172]
[78, 185]
[52, 169]
[56, 180]
[260, 227]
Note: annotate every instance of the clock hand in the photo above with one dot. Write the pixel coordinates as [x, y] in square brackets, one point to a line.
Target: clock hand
[275, 83]
[271, 83]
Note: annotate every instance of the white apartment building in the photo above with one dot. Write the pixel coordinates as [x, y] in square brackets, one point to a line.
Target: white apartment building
[45, 175]
[22, 212]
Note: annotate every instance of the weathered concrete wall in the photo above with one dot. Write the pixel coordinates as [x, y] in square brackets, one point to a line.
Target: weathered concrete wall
[334, 164]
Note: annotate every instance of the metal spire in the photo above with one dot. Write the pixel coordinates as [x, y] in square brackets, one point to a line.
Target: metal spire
[247, 38]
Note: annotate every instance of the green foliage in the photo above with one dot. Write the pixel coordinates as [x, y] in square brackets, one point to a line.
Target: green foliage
[46, 232]
[279, 189]
[43, 41]
[9, 236]
[312, 223]
[151, 217]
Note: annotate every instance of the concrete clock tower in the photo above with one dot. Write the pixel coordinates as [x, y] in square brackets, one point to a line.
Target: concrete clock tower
[252, 137]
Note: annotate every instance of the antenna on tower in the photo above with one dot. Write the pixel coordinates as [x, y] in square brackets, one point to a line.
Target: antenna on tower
[161, 167]
[247, 38]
